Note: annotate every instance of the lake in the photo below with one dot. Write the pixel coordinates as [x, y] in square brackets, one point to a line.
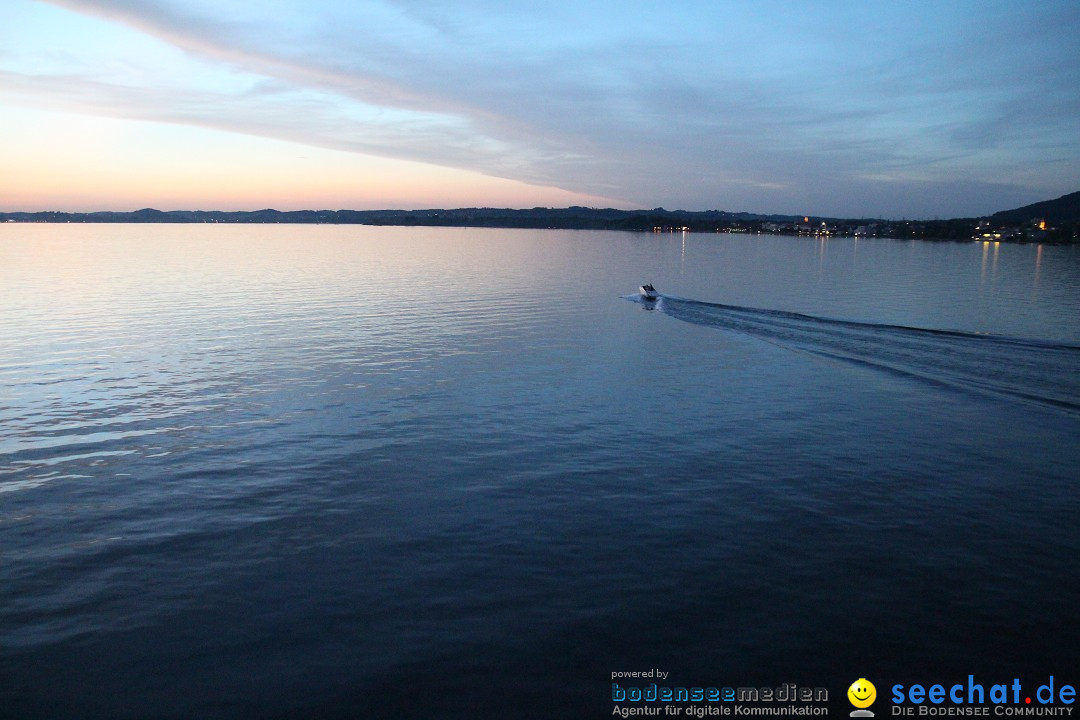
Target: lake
[274, 471]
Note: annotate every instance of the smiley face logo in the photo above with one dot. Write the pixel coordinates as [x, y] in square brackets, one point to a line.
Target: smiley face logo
[862, 693]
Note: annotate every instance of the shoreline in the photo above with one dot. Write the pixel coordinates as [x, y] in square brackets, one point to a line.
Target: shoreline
[1035, 230]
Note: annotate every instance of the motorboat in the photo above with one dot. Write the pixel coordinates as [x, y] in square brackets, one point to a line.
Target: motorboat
[648, 292]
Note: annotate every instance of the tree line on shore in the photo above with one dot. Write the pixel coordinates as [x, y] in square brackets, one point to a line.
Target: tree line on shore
[1056, 221]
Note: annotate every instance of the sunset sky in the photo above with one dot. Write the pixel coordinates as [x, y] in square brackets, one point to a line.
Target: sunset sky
[891, 109]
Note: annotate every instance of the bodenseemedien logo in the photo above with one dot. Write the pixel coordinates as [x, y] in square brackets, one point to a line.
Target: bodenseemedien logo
[862, 694]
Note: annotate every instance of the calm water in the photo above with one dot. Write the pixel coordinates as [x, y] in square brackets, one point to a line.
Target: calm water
[303, 471]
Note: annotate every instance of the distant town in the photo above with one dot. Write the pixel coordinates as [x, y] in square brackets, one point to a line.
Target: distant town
[1052, 221]
[1036, 230]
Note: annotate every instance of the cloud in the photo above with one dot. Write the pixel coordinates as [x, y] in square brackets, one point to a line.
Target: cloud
[700, 105]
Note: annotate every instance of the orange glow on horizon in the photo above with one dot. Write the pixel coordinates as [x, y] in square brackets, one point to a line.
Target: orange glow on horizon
[125, 165]
[45, 187]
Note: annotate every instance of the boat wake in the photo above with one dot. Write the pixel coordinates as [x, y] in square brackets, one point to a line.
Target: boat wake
[1032, 371]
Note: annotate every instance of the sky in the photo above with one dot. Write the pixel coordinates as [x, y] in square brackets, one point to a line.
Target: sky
[828, 107]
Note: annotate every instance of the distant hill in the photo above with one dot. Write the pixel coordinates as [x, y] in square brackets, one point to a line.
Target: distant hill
[1062, 216]
[566, 218]
[1066, 209]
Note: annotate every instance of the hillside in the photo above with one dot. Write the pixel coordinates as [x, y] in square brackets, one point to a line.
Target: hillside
[1066, 209]
[1062, 218]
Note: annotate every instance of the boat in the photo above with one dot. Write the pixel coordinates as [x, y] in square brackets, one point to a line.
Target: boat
[648, 292]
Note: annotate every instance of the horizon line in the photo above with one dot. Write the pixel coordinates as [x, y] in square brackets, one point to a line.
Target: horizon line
[636, 211]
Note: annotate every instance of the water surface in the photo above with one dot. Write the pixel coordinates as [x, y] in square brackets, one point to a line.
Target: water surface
[334, 471]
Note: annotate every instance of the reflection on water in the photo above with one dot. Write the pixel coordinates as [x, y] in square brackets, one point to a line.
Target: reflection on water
[985, 252]
[1038, 267]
